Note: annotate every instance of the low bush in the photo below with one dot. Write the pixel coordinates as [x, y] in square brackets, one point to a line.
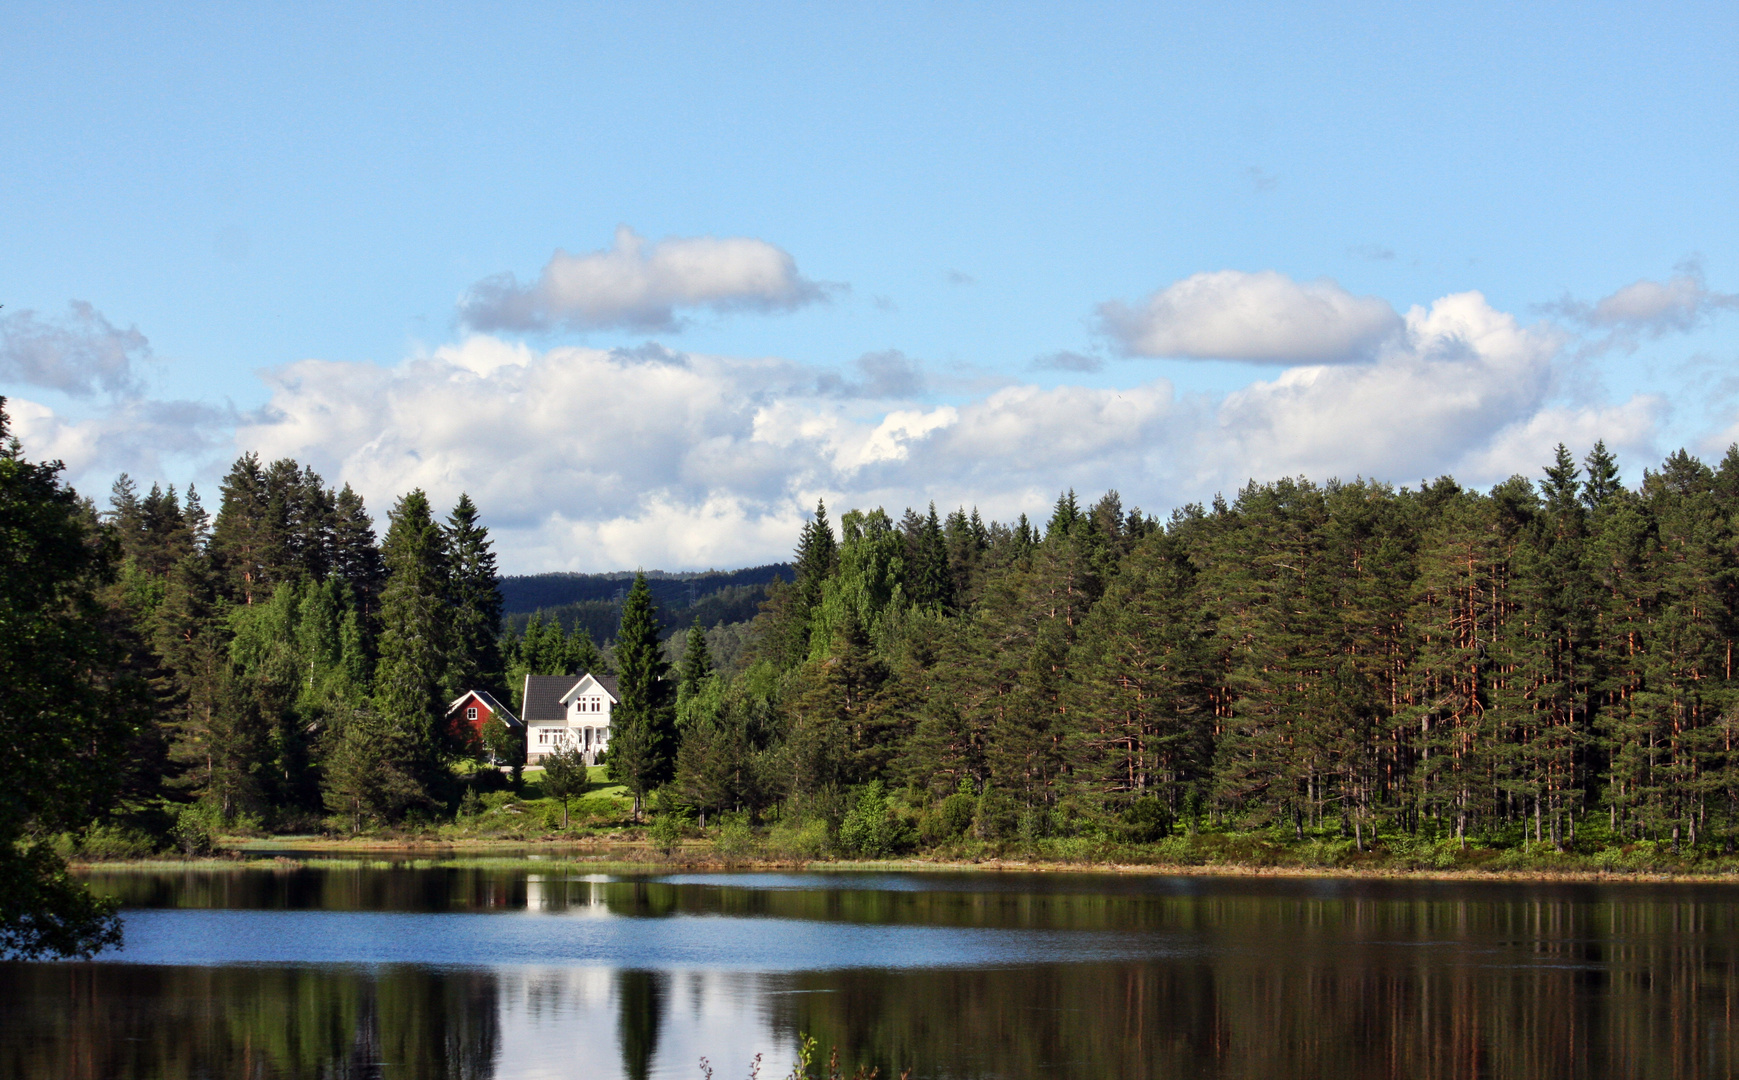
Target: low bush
[949, 818]
[736, 838]
[111, 841]
[800, 838]
[871, 828]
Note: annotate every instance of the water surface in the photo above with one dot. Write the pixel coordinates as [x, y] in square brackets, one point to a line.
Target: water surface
[344, 972]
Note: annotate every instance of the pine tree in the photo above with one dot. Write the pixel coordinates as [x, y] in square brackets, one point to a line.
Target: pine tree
[1136, 694]
[791, 608]
[642, 735]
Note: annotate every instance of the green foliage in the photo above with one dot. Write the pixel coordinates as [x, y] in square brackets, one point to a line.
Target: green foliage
[413, 681]
[996, 817]
[474, 600]
[642, 724]
[66, 706]
[368, 765]
[949, 818]
[871, 828]
[667, 830]
[564, 777]
[503, 744]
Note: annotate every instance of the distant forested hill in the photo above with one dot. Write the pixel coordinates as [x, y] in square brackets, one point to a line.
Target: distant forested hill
[594, 601]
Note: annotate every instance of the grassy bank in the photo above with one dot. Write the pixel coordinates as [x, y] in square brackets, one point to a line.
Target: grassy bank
[609, 842]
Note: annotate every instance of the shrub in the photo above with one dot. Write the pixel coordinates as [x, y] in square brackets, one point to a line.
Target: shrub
[666, 831]
[871, 829]
[1143, 820]
[552, 816]
[996, 815]
[949, 818]
[195, 829]
[806, 838]
[735, 835]
[111, 841]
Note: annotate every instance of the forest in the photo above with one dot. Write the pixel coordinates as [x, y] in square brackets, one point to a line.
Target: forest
[1549, 662]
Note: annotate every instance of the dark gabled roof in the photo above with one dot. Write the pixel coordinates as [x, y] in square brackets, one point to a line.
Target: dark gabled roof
[544, 693]
[543, 697]
[488, 699]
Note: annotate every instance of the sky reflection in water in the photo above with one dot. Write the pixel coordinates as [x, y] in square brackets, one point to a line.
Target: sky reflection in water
[476, 973]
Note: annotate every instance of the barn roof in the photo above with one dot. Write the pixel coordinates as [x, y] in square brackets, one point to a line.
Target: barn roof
[489, 702]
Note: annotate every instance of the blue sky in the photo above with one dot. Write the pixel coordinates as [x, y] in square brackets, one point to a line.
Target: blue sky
[877, 254]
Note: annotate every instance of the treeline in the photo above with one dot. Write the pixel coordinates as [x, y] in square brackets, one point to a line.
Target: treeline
[1549, 661]
[525, 593]
[1542, 661]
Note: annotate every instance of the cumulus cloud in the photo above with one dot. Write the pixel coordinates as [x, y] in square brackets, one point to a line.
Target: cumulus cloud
[636, 285]
[1264, 317]
[79, 353]
[588, 459]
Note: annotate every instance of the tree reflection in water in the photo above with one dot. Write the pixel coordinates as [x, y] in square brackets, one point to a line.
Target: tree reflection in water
[93, 1021]
[640, 996]
[1272, 980]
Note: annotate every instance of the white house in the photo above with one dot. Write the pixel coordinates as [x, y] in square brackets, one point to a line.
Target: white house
[567, 711]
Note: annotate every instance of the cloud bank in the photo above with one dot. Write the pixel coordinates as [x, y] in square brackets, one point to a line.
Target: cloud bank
[640, 286]
[586, 458]
[1265, 318]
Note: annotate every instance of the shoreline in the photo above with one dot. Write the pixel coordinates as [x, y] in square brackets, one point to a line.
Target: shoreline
[637, 858]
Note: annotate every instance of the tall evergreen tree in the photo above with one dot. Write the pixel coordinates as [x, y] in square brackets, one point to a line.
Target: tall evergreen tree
[642, 724]
[475, 598]
[355, 555]
[413, 675]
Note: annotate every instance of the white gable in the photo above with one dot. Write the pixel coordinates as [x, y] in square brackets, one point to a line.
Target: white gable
[587, 686]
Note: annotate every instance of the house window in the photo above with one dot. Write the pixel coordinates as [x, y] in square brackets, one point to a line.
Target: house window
[471, 713]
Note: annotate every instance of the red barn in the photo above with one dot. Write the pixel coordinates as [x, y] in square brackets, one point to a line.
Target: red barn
[471, 710]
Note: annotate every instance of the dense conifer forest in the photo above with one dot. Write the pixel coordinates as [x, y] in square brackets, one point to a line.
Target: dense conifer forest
[1548, 663]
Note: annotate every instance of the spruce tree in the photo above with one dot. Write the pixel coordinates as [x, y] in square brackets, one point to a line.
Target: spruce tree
[642, 724]
[697, 663]
[1602, 483]
[412, 678]
[355, 555]
[475, 600]
[931, 580]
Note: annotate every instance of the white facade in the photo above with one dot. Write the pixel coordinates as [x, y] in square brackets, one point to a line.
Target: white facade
[584, 723]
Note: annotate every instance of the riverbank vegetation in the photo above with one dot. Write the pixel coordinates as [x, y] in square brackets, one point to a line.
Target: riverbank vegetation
[1342, 674]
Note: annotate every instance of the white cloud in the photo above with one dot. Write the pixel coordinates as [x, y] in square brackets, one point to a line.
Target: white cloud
[590, 459]
[77, 354]
[1264, 317]
[638, 285]
[141, 437]
[594, 459]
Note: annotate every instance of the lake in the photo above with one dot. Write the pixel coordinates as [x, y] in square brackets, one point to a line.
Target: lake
[477, 973]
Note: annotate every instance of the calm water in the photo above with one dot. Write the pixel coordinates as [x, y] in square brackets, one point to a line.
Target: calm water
[472, 973]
